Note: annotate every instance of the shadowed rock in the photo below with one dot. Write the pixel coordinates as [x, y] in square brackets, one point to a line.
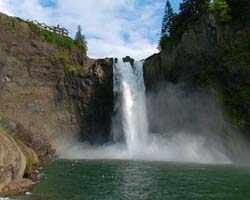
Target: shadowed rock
[129, 59]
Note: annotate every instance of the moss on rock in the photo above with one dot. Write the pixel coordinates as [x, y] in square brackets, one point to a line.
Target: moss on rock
[73, 68]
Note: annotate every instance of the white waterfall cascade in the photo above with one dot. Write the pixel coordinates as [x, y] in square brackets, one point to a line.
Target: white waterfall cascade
[130, 89]
[131, 136]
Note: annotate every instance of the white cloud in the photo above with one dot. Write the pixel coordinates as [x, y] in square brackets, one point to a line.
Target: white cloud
[104, 23]
[3, 8]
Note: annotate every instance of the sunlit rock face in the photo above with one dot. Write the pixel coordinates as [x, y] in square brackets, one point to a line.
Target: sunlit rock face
[52, 90]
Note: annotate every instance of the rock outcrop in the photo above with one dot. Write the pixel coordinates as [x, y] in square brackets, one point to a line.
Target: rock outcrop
[16, 159]
[90, 93]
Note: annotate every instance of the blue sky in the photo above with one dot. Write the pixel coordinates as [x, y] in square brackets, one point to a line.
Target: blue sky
[113, 28]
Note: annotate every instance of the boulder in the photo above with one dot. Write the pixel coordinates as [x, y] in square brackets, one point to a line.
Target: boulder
[12, 166]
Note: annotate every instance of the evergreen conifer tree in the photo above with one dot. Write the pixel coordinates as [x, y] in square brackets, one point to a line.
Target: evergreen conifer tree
[167, 19]
[80, 38]
[189, 8]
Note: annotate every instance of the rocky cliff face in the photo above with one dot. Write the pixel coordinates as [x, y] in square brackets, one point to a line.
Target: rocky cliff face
[90, 93]
[49, 88]
[210, 54]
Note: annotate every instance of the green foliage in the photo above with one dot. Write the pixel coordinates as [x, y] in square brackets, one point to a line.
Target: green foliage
[72, 106]
[240, 10]
[178, 27]
[80, 38]
[222, 9]
[164, 43]
[1, 117]
[190, 8]
[238, 105]
[73, 68]
[20, 20]
[61, 56]
[2, 51]
[9, 59]
[57, 39]
[13, 60]
[229, 73]
[230, 76]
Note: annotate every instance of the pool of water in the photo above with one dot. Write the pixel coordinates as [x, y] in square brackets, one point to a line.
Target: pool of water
[140, 180]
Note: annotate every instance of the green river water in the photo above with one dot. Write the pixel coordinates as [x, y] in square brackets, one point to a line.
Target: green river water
[140, 180]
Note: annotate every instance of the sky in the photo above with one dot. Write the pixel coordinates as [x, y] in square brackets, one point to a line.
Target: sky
[113, 28]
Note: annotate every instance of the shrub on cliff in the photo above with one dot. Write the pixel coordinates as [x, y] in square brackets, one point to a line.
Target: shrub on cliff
[222, 9]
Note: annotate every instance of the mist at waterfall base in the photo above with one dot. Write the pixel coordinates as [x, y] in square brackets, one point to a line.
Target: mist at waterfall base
[170, 123]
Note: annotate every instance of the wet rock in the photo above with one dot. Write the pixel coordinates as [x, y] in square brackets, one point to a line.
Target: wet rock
[129, 59]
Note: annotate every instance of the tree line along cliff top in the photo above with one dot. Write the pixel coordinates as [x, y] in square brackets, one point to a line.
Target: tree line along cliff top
[174, 24]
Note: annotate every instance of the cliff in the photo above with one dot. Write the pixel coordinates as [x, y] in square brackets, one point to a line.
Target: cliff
[48, 85]
[209, 54]
[50, 88]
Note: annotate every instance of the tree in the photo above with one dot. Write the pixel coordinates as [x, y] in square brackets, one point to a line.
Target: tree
[167, 19]
[80, 38]
[240, 10]
[201, 6]
[186, 8]
[223, 10]
[190, 8]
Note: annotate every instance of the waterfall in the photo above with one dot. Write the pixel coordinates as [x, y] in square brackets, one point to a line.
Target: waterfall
[131, 138]
[130, 105]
